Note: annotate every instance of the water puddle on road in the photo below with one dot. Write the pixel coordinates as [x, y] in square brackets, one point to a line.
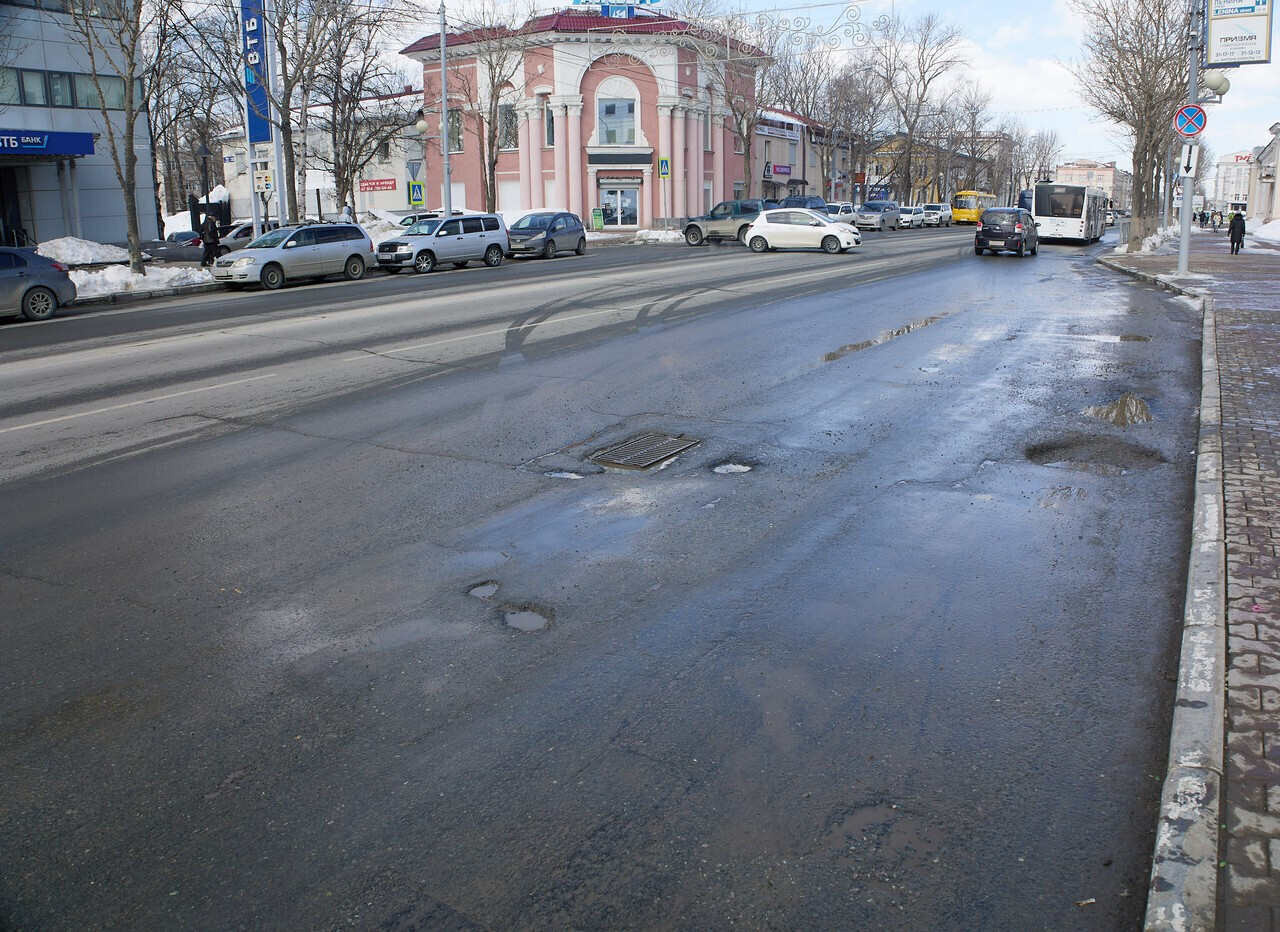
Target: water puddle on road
[883, 837]
[883, 338]
[563, 475]
[1125, 411]
[527, 618]
[484, 590]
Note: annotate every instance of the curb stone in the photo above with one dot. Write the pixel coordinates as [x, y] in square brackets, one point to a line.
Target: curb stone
[129, 297]
[1183, 891]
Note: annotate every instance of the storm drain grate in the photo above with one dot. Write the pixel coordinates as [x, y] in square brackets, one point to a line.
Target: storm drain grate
[643, 451]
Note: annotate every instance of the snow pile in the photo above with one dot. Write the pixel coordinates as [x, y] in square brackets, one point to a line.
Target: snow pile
[72, 251]
[176, 223]
[597, 237]
[659, 236]
[1152, 242]
[118, 279]
[1270, 233]
[381, 230]
[219, 193]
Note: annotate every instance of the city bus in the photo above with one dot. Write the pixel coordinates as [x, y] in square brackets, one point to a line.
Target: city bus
[1070, 211]
[967, 206]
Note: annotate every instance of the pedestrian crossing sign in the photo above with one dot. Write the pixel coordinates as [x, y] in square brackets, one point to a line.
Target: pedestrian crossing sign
[664, 168]
[416, 198]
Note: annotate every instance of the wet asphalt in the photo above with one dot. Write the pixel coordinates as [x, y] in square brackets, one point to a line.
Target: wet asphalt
[912, 669]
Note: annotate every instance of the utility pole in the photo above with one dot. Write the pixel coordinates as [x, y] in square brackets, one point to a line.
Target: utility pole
[1193, 97]
[445, 136]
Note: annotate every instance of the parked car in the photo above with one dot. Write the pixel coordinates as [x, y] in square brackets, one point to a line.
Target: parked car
[808, 202]
[176, 247]
[305, 250]
[911, 216]
[878, 215]
[937, 215]
[800, 229]
[33, 285]
[1111, 218]
[1010, 229]
[727, 220]
[239, 235]
[545, 233]
[428, 243]
[842, 210]
[185, 238]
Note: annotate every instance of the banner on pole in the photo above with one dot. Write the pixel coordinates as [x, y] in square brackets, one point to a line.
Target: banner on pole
[1239, 32]
[254, 35]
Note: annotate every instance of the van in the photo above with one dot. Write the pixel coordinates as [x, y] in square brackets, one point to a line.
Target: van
[305, 250]
[459, 240]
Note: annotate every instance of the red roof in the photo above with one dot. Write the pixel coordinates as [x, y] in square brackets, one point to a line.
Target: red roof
[571, 21]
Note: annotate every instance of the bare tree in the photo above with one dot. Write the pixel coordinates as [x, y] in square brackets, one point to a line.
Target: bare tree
[119, 40]
[1043, 149]
[912, 59]
[1133, 72]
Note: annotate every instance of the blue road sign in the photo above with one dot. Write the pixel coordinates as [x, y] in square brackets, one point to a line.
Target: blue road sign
[664, 168]
[1190, 120]
[416, 198]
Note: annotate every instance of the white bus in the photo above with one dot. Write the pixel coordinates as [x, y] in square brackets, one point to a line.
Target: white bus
[1070, 211]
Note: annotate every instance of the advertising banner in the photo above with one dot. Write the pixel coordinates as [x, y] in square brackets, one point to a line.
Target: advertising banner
[254, 33]
[377, 184]
[1239, 32]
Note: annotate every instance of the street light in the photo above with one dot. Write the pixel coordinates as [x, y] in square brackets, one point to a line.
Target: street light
[203, 154]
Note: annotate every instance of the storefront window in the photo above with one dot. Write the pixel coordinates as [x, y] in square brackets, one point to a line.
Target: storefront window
[617, 122]
[620, 206]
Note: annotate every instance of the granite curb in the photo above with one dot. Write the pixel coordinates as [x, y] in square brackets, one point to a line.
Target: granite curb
[129, 297]
[1183, 890]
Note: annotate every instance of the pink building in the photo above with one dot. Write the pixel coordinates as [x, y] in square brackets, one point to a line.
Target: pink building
[592, 112]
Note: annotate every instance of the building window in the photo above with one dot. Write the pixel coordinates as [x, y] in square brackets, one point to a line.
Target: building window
[33, 89]
[793, 147]
[617, 122]
[455, 131]
[737, 144]
[384, 149]
[549, 125]
[768, 150]
[62, 92]
[9, 92]
[508, 127]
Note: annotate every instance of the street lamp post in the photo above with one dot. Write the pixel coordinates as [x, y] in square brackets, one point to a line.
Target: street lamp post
[203, 154]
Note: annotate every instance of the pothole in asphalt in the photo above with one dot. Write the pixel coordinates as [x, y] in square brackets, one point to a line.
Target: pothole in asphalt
[883, 338]
[730, 468]
[883, 836]
[1125, 411]
[1105, 456]
[1133, 338]
[527, 618]
[485, 590]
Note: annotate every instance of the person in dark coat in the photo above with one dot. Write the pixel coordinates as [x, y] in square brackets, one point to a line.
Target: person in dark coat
[209, 239]
[1236, 232]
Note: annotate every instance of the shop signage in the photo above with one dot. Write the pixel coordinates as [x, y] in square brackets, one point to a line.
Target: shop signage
[254, 33]
[777, 131]
[38, 142]
[1239, 32]
[781, 169]
[377, 184]
[597, 218]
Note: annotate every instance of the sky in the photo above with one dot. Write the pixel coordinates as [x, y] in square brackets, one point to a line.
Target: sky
[1020, 52]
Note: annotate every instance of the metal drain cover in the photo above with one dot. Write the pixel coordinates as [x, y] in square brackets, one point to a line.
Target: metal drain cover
[643, 451]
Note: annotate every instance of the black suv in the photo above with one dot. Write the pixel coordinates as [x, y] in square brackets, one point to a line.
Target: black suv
[802, 200]
[727, 220]
[1006, 228]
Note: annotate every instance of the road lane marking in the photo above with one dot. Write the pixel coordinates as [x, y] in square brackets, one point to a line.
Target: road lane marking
[140, 401]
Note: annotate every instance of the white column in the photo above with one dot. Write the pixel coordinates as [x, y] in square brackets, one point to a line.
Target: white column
[526, 171]
[694, 136]
[679, 166]
[536, 138]
[718, 192]
[562, 160]
[664, 152]
[575, 158]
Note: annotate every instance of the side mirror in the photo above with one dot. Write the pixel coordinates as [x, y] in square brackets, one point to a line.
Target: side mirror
[815, 223]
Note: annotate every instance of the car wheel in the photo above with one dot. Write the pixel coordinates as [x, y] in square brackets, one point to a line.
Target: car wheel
[1035, 250]
[759, 244]
[272, 277]
[354, 269]
[830, 245]
[582, 247]
[424, 262]
[693, 236]
[223, 250]
[549, 250]
[493, 256]
[1021, 251]
[460, 265]
[39, 304]
[742, 233]
[977, 250]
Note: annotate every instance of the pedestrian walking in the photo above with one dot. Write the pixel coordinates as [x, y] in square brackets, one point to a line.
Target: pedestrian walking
[209, 239]
[1236, 232]
[1204, 219]
[346, 215]
[1215, 219]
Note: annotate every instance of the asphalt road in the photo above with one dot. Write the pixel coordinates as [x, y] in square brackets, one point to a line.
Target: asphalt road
[262, 554]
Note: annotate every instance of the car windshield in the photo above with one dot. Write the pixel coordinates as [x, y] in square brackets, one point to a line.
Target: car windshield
[267, 240]
[423, 228]
[933, 207]
[533, 222]
[875, 207]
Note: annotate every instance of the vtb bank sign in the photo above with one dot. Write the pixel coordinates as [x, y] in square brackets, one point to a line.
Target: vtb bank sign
[254, 34]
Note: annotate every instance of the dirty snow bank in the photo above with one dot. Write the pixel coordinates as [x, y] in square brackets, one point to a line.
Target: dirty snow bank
[119, 280]
[1152, 242]
[1270, 233]
[72, 251]
[659, 236]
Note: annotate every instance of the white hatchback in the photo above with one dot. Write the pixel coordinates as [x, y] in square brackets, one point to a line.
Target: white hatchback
[912, 216]
[796, 228]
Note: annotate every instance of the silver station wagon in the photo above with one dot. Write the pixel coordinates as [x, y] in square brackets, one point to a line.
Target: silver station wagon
[429, 243]
[308, 250]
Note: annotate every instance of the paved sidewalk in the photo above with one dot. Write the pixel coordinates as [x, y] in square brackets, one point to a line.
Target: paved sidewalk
[1242, 594]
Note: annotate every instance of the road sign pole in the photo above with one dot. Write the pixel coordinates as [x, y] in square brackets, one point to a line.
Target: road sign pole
[1193, 99]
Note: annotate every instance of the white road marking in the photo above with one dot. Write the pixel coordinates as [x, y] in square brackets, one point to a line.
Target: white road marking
[134, 404]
